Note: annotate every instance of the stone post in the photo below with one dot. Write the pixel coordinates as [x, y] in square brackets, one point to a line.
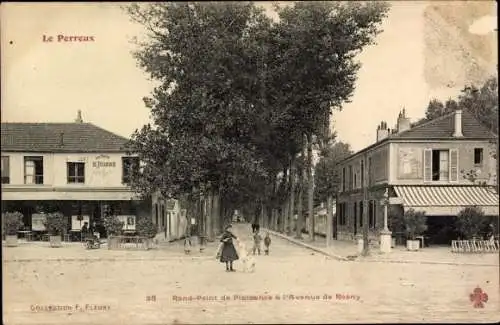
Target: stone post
[385, 234]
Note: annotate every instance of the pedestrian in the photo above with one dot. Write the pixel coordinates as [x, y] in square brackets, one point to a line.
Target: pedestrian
[228, 253]
[85, 230]
[257, 238]
[267, 243]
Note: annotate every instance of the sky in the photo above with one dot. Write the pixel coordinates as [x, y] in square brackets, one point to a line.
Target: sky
[425, 51]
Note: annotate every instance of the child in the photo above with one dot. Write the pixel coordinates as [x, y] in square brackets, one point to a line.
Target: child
[267, 243]
[256, 242]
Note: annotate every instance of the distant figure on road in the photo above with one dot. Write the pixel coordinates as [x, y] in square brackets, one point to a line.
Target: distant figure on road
[267, 243]
[255, 227]
[257, 238]
[228, 254]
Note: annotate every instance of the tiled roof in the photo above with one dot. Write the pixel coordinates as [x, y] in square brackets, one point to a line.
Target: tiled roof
[443, 128]
[46, 137]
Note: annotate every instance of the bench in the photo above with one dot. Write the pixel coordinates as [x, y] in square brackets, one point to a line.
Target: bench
[475, 246]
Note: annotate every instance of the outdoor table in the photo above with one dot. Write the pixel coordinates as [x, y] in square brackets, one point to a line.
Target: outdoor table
[27, 234]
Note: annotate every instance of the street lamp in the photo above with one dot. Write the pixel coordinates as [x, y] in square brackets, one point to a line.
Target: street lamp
[385, 234]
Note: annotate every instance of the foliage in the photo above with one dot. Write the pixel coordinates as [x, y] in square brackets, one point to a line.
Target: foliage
[238, 92]
[481, 101]
[415, 223]
[471, 222]
[327, 176]
[113, 225]
[56, 223]
[395, 216]
[146, 228]
[13, 221]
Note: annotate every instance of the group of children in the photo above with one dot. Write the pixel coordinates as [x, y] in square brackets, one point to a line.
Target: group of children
[257, 239]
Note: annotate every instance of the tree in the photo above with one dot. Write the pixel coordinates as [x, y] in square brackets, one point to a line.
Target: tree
[315, 49]
[328, 179]
[207, 113]
[238, 95]
[434, 110]
[470, 222]
[327, 175]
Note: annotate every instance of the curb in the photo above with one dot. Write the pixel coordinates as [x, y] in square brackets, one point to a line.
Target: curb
[424, 262]
[360, 259]
[305, 245]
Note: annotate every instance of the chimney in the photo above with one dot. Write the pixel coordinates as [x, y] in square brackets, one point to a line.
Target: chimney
[403, 122]
[79, 117]
[62, 139]
[458, 124]
[382, 131]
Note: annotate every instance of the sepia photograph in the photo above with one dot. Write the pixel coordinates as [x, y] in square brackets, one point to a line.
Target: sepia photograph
[267, 162]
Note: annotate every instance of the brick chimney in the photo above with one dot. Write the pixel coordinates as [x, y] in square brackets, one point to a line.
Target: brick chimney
[382, 131]
[458, 124]
[403, 122]
[79, 117]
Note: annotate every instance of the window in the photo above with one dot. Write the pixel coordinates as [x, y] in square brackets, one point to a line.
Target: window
[355, 181]
[440, 165]
[355, 212]
[362, 174]
[130, 165]
[361, 214]
[33, 170]
[76, 172]
[370, 171]
[156, 213]
[350, 178]
[341, 214]
[343, 180]
[371, 214]
[478, 156]
[5, 170]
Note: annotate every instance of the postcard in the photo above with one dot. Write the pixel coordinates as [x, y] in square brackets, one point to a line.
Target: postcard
[249, 163]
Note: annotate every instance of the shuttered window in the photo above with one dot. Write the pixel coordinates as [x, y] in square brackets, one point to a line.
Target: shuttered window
[427, 165]
[453, 165]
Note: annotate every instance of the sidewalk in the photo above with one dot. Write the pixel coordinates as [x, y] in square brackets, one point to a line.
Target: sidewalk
[347, 251]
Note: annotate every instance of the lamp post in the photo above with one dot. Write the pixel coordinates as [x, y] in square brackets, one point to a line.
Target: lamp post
[385, 234]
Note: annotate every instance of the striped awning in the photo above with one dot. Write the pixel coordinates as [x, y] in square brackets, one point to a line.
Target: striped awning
[445, 200]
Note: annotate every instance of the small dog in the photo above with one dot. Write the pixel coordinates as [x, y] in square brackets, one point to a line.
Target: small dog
[246, 259]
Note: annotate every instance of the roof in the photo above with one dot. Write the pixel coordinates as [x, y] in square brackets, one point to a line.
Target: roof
[441, 128]
[46, 137]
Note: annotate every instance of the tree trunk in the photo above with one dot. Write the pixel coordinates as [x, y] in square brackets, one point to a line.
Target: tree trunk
[209, 216]
[300, 201]
[329, 221]
[292, 197]
[310, 188]
[216, 213]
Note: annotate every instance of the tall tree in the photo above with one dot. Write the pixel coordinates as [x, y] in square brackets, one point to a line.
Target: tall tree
[316, 47]
[206, 111]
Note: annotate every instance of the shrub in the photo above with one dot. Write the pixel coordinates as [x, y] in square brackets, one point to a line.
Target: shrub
[415, 223]
[471, 222]
[12, 222]
[56, 223]
[113, 225]
[395, 217]
[146, 228]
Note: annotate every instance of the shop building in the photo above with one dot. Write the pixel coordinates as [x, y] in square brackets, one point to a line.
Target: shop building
[423, 168]
[77, 168]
